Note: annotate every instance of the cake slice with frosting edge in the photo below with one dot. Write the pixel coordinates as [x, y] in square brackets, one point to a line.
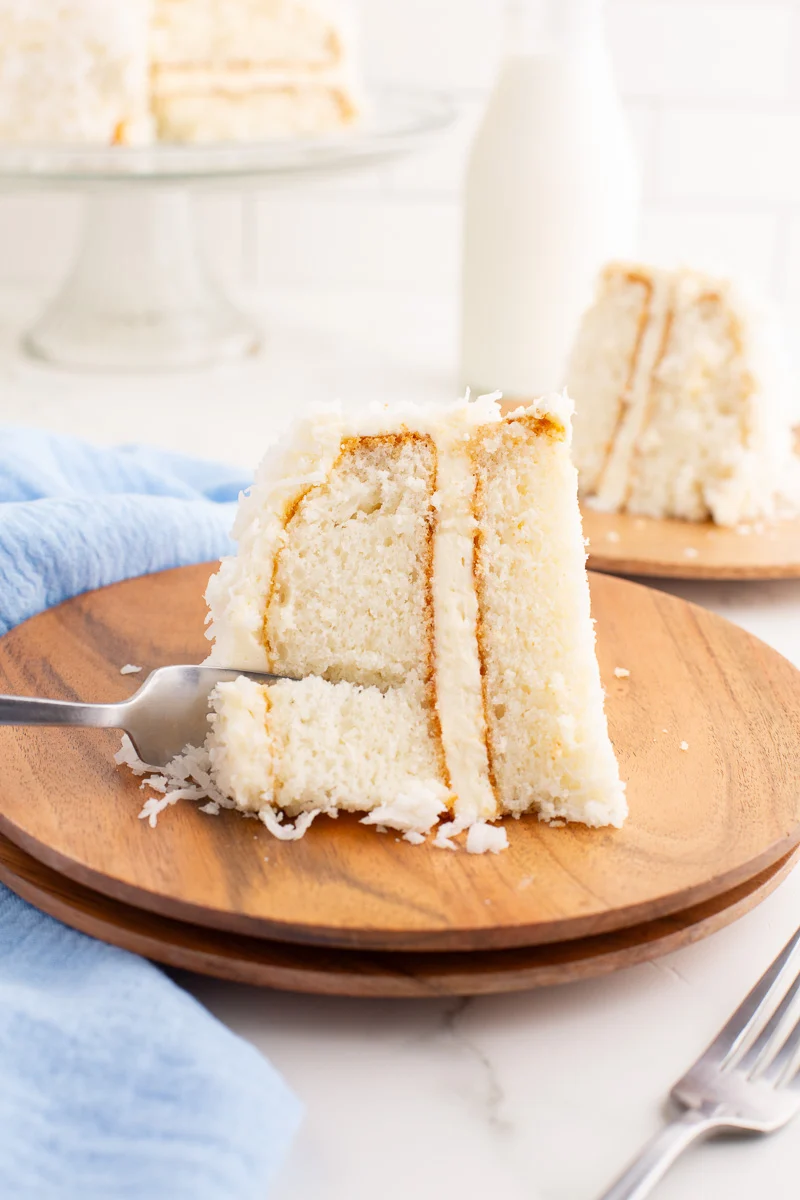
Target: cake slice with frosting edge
[420, 575]
[681, 403]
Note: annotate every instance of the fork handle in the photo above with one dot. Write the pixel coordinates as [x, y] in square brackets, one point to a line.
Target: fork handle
[29, 710]
[659, 1154]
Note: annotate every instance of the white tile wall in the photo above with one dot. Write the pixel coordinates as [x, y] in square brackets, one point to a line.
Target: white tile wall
[710, 52]
[713, 92]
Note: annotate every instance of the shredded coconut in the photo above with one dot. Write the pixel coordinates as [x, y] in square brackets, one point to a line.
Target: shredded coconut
[286, 833]
[482, 838]
[684, 745]
[621, 672]
[612, 536]
[416, 810]
[690, 552]
[186, 777]
[129, 669]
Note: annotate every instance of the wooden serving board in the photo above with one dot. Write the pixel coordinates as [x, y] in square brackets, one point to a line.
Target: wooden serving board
[702, 820]
[622, 544]
[333, 972]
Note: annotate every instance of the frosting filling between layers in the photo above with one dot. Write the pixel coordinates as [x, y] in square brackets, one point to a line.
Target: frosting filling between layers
[612, 488]
[459, 689]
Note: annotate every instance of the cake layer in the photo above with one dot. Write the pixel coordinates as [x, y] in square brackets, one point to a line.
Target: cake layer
[681, 412]
[548, 741]
[363, 537]
[74, 71]
[318, 746]
[279, 34]
[244, 70]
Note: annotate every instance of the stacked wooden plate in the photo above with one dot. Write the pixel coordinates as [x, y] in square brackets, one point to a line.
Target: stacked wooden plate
[706, 726]
[623, 544]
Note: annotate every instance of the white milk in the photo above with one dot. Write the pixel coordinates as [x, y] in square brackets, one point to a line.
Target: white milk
[551, 194]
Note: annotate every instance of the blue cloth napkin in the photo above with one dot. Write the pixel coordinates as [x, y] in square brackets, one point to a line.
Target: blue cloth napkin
[113, 1081]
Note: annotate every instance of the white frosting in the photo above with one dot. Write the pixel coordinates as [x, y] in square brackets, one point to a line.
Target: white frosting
[240, 746]
[241, 82]
[74, 71]
[455, 606]
[310, 34]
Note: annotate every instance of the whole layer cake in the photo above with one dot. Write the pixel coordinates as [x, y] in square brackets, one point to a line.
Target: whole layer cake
[682, 411]
[420, 576]
[124, 71]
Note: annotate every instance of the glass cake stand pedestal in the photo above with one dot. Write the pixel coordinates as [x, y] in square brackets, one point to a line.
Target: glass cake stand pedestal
[140, 295]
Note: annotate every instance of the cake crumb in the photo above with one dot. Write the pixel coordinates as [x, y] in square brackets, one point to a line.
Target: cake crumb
[482, 838]
[691, 552]
[129, 669]
[684, 745]
[621, 672]
[612, 536]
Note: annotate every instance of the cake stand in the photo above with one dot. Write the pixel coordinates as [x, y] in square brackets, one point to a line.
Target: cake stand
[139, 294]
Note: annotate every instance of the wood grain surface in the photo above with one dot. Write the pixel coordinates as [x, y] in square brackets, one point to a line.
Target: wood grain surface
[702, 820]
[335, 972]
[622, 544]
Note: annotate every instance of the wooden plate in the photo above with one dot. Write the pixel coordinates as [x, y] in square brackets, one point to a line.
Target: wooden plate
[335, 972]
[626, 545]
[702, 820]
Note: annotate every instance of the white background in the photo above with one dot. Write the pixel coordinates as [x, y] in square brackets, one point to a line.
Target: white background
[713, 92]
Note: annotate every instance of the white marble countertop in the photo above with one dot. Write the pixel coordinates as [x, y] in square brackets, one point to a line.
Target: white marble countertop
[537, 1096]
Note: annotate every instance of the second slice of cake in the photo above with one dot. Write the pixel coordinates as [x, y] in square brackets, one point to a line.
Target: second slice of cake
[681, 406]
[421, 575]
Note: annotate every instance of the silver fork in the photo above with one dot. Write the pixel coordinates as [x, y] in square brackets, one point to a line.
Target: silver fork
[747, 1080]
[168, 712]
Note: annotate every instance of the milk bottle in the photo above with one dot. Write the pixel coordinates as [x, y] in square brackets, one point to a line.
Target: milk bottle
[551, 194]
